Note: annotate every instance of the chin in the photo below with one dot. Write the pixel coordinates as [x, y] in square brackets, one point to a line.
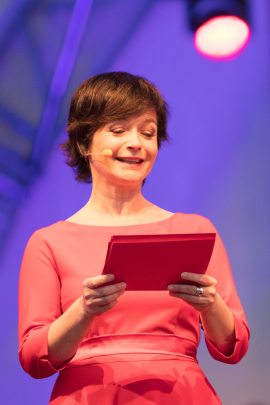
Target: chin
[129, 182]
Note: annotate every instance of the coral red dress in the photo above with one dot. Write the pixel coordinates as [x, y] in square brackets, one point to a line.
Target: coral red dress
[142, 351]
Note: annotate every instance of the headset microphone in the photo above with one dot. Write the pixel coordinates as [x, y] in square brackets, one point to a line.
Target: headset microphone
[106, 152]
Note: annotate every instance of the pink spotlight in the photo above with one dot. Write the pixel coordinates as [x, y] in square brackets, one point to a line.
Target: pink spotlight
[222, 37]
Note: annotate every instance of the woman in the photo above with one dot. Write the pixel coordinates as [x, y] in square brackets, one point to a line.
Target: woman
[111, 345]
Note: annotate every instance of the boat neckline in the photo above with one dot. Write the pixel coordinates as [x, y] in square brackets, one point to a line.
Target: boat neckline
[120, 226]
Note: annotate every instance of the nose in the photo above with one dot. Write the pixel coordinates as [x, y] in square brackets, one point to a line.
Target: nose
[133, 142]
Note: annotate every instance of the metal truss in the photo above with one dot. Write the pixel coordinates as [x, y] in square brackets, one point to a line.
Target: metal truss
[47, 48]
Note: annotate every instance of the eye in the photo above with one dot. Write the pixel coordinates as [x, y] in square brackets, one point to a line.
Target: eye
[149, 134]
[117, 131]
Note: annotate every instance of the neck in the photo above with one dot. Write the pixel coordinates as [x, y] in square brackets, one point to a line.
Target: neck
[116, 201]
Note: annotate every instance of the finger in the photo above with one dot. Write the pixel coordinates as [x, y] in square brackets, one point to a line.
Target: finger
[103, 308]
[201, 279]
[95, 282]
[187, 297]
[187, 289]
[109, 298]
[110, 289]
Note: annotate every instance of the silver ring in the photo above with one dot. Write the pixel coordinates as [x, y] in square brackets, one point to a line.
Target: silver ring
[199, 291]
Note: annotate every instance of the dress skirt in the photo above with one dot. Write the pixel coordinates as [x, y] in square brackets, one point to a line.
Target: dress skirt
[168, 381]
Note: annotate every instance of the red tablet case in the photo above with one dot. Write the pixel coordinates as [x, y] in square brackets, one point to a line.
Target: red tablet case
[152, 262]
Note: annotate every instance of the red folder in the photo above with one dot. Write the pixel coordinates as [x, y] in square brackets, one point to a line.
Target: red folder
[152, 262]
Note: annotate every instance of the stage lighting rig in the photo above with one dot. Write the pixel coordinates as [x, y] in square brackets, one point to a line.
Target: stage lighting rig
[221, 26]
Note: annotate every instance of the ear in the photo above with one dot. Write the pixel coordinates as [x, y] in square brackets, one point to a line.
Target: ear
[82, 148]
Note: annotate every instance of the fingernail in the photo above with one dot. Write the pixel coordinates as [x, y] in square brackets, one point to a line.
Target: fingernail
[110, 276]
[123, 285]
[170, 287]
[183, 275]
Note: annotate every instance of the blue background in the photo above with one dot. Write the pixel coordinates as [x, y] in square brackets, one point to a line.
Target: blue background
[217, 165]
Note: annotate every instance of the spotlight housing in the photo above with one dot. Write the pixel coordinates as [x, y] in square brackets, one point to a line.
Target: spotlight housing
[201, 11]
[221, 26]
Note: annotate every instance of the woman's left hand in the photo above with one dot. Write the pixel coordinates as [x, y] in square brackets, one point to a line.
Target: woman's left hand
[188, 292]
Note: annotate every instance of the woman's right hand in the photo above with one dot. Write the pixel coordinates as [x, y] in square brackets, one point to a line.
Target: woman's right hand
[67, 332]
[98, 299]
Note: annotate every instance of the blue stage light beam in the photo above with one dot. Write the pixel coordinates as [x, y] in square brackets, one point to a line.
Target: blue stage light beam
[60, 82]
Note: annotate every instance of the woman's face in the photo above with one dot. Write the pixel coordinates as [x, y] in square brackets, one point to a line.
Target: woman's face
[134, 146]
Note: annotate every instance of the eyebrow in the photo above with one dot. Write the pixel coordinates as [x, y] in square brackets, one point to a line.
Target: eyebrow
[149, 120]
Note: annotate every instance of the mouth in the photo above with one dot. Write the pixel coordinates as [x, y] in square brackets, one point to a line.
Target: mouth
[130, 160]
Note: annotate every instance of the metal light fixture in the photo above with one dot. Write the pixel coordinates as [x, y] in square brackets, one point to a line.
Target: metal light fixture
[221, 27]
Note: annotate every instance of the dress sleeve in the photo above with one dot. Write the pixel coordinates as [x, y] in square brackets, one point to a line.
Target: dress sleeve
[219, 268]
[39, 306]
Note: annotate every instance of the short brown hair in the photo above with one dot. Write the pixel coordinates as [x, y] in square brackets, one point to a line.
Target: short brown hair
[105, 98]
